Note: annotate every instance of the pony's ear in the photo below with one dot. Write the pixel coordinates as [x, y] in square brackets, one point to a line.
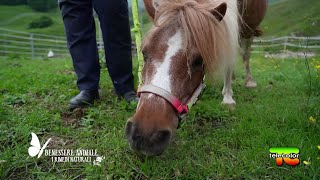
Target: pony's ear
[151, 6]
[220, 11]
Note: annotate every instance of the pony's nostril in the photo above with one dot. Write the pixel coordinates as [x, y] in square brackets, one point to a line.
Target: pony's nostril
[162, 136]
[136, 135]
[128, 128]
[132, 132]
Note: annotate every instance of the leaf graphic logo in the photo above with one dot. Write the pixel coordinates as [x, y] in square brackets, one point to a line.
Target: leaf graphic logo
[35, 148]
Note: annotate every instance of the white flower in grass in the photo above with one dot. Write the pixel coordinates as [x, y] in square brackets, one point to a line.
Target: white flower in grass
[98, 160]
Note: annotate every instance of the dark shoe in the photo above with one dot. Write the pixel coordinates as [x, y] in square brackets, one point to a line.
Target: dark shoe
[131, 97]
[83, 99]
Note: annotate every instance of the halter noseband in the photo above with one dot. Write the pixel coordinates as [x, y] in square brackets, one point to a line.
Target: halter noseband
[181, 109]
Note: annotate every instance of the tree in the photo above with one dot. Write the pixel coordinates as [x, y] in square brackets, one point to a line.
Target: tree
[42, 22]
[13, 2]
[42, 5]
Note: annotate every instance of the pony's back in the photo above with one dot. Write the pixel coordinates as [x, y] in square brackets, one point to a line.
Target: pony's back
[231, 21]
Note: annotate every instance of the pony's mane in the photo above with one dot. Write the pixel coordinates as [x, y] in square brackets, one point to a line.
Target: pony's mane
[200, 27]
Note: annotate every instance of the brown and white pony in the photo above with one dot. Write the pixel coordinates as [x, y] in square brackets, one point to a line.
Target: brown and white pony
[252, 13]
[190, 38]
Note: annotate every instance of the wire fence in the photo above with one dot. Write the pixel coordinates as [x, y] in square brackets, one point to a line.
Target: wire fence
[286, 44]
[41, 45]
[34, 45]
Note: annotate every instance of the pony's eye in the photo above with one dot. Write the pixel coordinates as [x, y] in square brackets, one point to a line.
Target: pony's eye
[198, 62]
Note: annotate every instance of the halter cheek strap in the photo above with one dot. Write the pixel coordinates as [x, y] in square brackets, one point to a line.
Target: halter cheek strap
[180, 108]
[175, 102]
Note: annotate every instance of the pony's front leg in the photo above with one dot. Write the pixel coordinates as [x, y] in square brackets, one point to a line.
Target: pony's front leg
[227, 88]
[246, 53]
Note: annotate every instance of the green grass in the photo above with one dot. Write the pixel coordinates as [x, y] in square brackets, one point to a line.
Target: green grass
[212, 142]
[293, 16]
[19, 17]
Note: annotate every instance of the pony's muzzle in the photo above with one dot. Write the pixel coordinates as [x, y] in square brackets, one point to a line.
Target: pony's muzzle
[149, 144]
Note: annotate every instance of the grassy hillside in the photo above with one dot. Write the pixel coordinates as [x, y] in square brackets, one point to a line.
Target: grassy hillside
[19, 18]
[293, 16]
[283, 18]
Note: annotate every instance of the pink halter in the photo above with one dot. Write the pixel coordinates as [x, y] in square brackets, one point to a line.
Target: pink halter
[181, 109]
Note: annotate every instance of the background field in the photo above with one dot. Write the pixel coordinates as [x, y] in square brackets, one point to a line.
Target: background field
[19, 18]
[284, 17]
[292, 17]
[212, 143]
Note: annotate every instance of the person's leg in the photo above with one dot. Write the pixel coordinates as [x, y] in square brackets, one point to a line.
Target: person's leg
[114, 20]
[81, 37]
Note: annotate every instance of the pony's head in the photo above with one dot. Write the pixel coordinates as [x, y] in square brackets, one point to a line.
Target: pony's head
[183, 44]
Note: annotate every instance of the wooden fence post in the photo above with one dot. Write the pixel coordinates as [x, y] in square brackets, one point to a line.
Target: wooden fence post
[32, 46]
[285, 44]
[100, 47]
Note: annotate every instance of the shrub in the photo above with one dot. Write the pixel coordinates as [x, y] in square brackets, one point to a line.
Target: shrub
[42, 5]
[41, 22]
[13, 2]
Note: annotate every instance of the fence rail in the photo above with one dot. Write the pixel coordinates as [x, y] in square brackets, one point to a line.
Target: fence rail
[35, 45]
[39, 45]
[286, 44]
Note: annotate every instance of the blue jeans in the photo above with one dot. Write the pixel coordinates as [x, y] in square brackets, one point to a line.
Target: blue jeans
[81, 37]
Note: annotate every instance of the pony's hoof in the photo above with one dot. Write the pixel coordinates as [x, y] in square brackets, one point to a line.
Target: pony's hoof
[229, 102]
[230, 106]
[251, 84]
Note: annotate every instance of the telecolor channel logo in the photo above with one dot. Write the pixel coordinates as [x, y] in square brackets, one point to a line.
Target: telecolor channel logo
[290, 155]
